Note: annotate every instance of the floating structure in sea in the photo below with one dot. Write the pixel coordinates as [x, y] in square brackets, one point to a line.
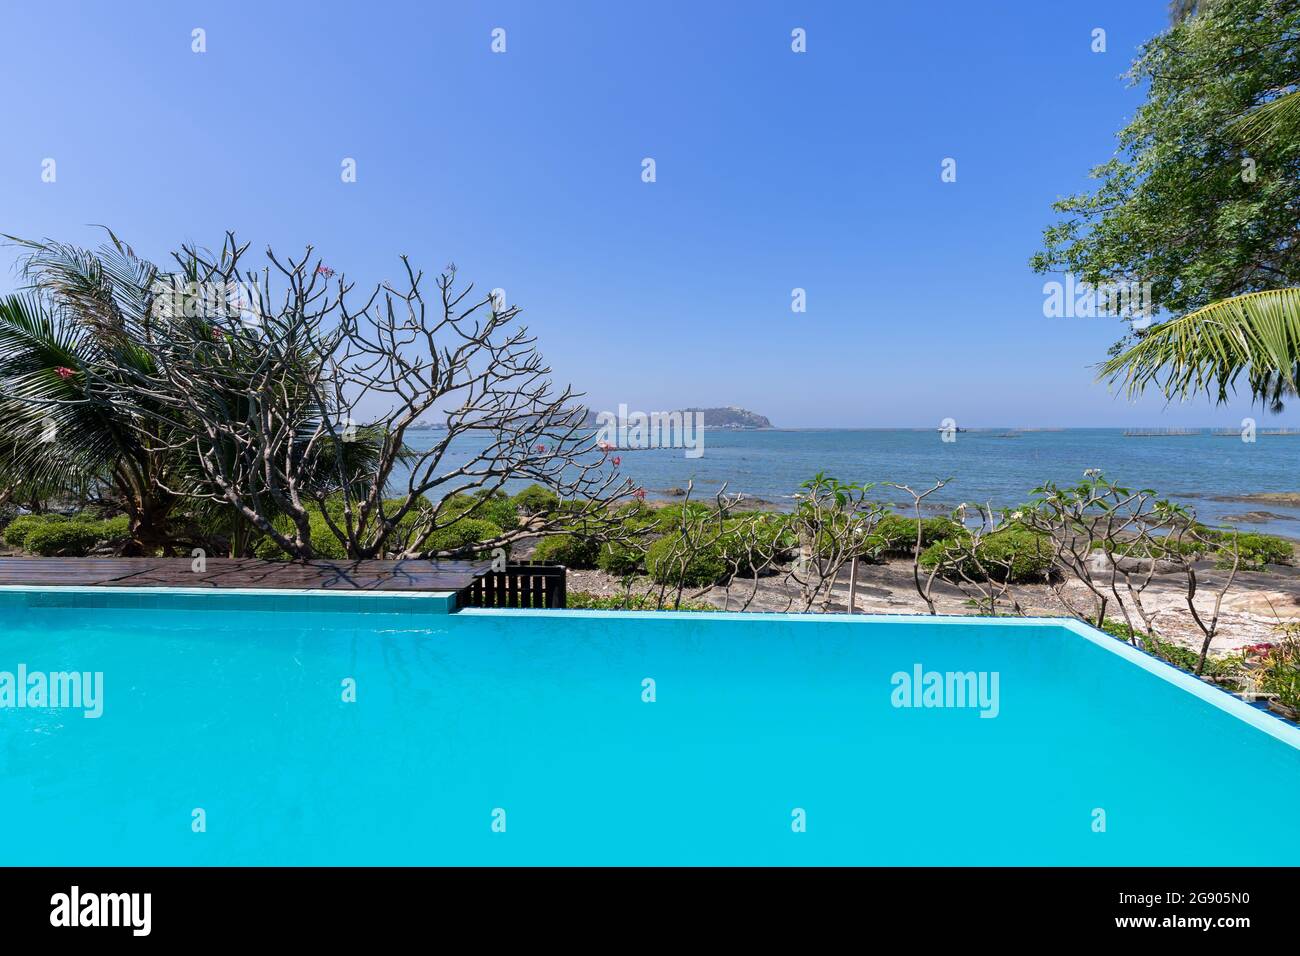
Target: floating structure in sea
[1271, 432]
[1161, 432]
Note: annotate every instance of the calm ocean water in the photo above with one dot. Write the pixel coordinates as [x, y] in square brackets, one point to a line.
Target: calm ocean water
[987, 466]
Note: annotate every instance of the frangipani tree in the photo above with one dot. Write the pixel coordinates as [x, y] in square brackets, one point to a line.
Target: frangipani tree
[278, 401]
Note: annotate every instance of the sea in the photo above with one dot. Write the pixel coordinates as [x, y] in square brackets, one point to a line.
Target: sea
[1203, 471]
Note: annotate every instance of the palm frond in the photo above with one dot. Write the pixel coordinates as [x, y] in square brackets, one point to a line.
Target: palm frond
[1256, 335]
[108, 289]
[1278, 119]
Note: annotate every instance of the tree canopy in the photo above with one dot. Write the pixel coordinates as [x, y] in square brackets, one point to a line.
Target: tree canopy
[1202, 196]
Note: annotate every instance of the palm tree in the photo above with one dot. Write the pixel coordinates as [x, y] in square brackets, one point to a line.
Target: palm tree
[64, 425]
[73, 356]
[1256, 335]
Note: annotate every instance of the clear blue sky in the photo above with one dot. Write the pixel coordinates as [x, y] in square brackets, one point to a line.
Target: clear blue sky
[775, 171]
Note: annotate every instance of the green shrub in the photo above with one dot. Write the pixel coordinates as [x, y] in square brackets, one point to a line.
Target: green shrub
[635, 512]
[669, 517]
[1169, 652]
[1159, 548]
[17, 530]
[1117, 628]
[667, 563]
[586, 601]
[1278, 667]
[624, 557]
[536, 499]
[64, 539]
[1009, 556]
[896, 534]
[323, 541]
[492, 506]
[461, 535]
[570, 550]
[1257, 551]
[621, 558]
[115, 531]
[832, 541]
[754, 543]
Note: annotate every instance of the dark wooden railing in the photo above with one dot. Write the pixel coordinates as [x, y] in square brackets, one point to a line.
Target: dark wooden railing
[521, 584]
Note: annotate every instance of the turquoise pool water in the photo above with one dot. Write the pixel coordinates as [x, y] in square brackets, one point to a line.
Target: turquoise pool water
[540, 719]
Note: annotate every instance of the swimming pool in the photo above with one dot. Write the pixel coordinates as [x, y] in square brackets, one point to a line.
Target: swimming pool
[227, 735]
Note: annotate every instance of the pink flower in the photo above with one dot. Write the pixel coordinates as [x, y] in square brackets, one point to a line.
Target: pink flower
[541, 449]
[617, 461]
[639, 494]
[63, 372]
[604, 446]
[324, 270]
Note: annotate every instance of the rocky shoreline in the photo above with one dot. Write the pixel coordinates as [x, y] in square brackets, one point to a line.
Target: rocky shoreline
[1250, 613]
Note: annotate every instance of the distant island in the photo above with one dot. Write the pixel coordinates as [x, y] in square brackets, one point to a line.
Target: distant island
[732, 416]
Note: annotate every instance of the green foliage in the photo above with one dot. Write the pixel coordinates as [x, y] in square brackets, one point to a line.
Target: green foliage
[1173, 207]
[1159, 548]
[570, 550]
[1256, 335]
[1117, 628]
[1012, 554]
[896, 534]
[637, 513]
[585, 600]
[626, 555]
[1278, 668]
[460, 536]
[755, 541]
[65, 539]
[536, 499]
[115, 531]
[323, 541]
[1167, 651]
[674, 562]
[74, 356]
[1256, 550]
[16, 531]
[44, 535]
[621, 558]
[487, 506]
[670, 517]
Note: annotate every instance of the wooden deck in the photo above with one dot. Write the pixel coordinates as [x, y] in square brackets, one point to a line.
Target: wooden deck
[242, 573]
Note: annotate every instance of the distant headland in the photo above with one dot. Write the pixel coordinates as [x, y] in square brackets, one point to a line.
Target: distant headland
[731, 416]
